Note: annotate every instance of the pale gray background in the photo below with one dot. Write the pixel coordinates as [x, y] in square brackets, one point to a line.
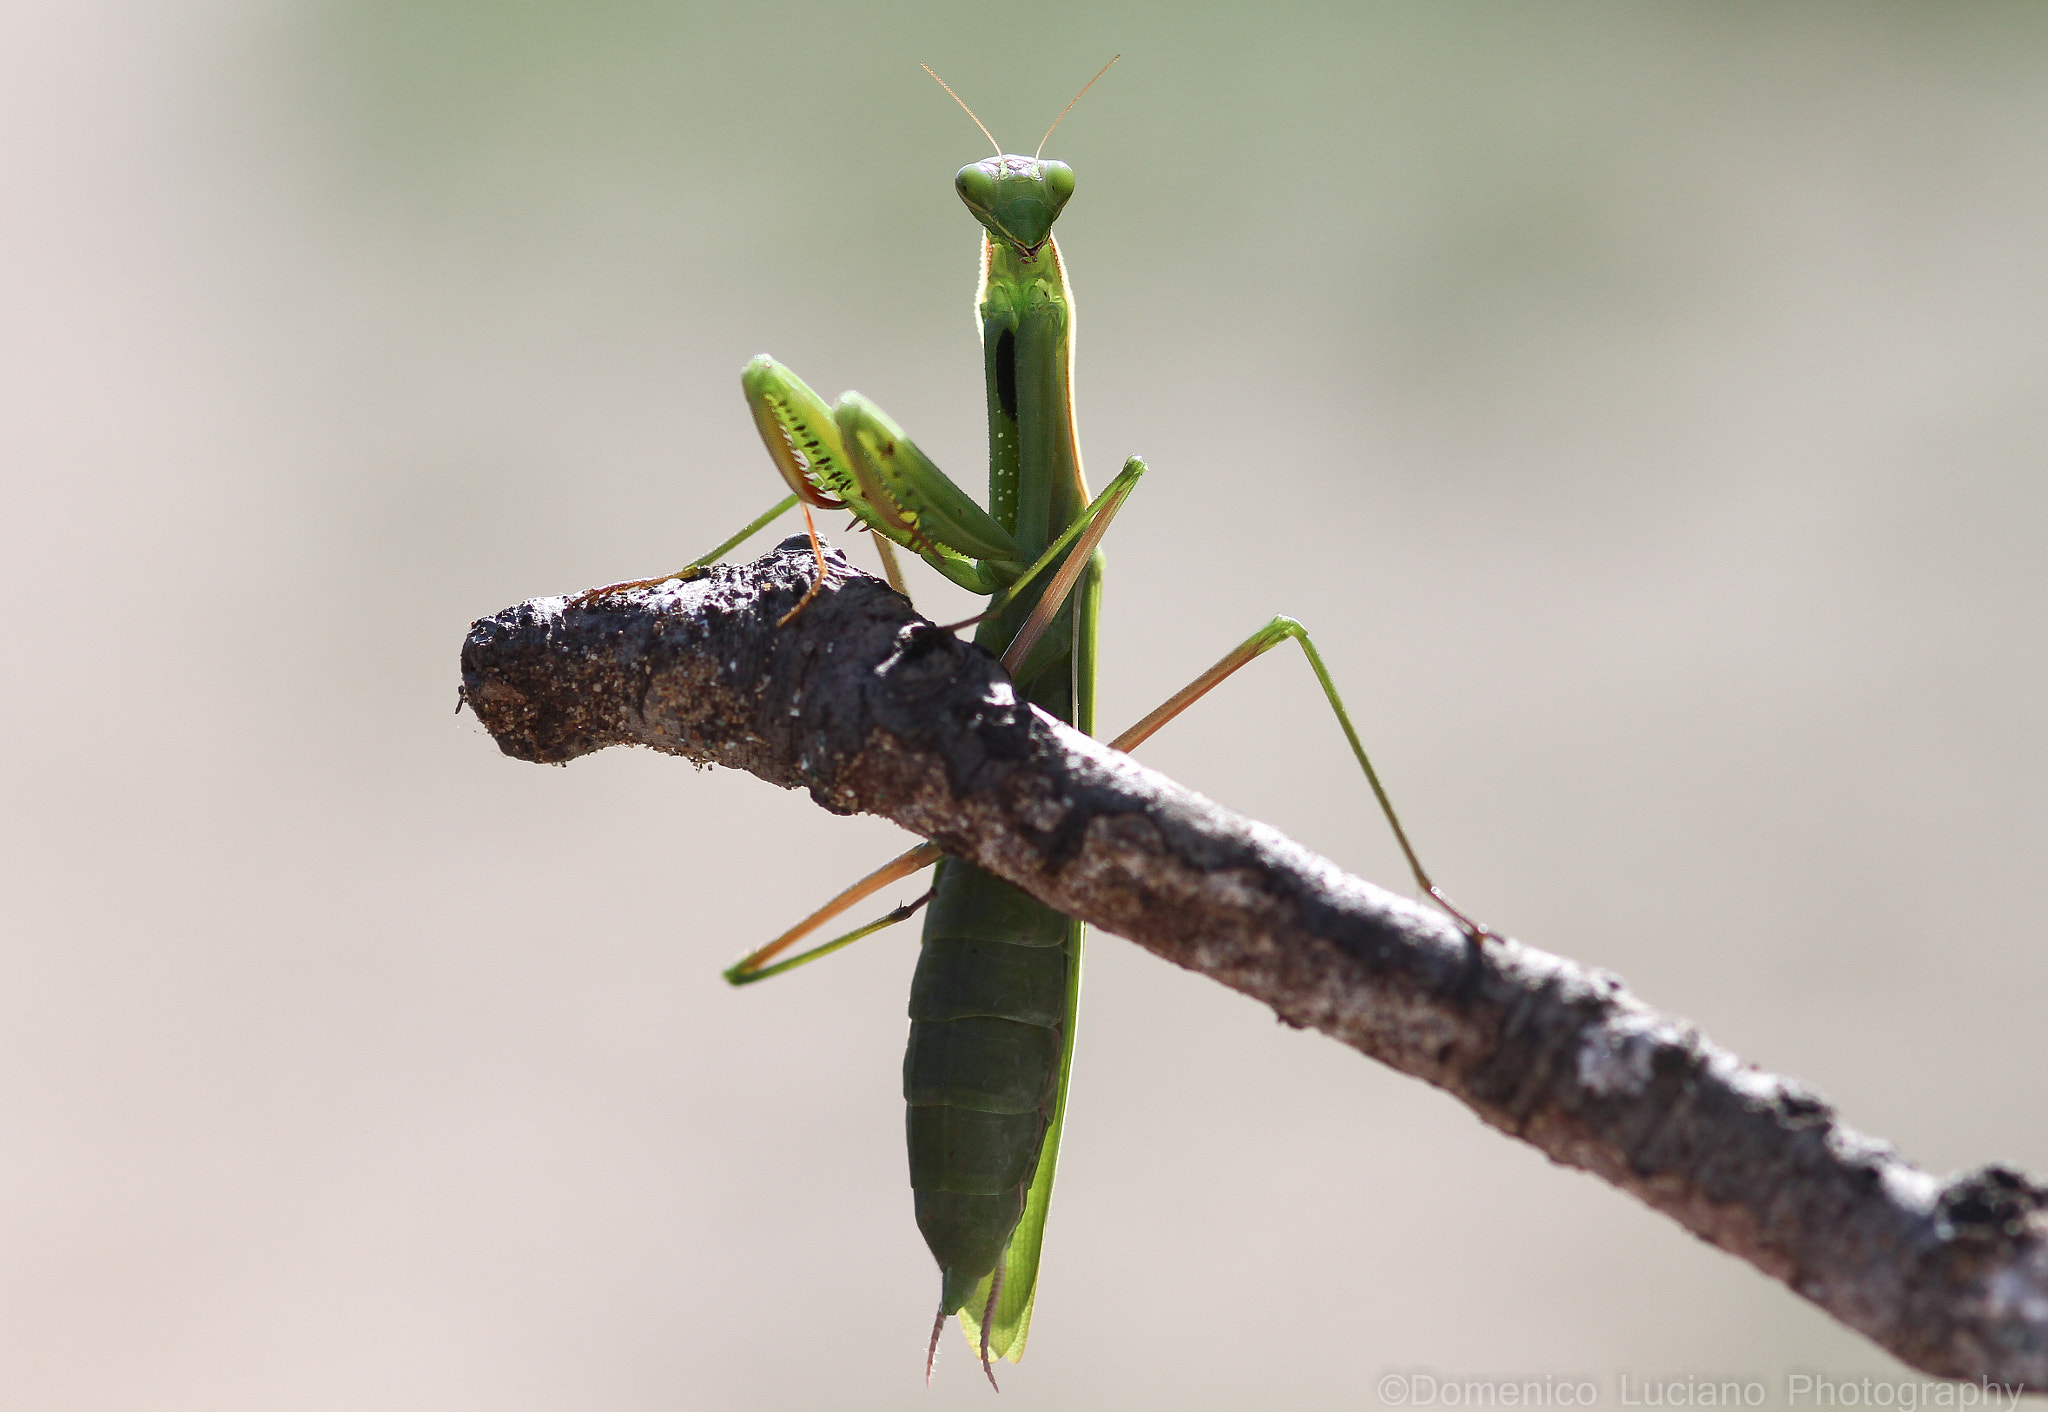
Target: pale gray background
[1647, 405]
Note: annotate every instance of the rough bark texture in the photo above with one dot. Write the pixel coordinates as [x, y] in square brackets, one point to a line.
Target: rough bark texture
[871, 708]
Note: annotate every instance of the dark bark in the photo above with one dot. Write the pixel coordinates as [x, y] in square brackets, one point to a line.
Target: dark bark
[871, 708]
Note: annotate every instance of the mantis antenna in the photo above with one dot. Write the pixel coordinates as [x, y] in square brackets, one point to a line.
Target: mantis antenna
[1064, 111]
[970, 112]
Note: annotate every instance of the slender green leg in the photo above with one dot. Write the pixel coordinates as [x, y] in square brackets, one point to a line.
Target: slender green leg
[1082, 537]
[1265, 640]
[737, 976]
[891, 570]
[689, 570]
[754, 967]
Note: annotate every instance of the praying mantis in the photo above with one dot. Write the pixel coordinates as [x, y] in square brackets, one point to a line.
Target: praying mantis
[994, 997]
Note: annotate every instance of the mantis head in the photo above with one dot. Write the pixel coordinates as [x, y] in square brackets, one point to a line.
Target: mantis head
[1016, 198]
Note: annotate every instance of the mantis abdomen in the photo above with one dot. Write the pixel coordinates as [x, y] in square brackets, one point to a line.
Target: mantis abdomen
[988, 1009]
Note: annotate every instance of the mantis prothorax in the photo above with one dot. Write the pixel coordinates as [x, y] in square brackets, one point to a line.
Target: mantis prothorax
[992, 1003]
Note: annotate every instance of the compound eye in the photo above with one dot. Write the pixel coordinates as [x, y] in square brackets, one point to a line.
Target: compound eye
[977, 187]
[1059, 182]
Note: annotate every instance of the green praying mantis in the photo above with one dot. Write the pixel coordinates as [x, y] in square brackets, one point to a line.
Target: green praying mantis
[993, 999]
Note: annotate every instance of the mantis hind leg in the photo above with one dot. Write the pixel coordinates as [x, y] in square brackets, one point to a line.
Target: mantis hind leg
[1279, 630]
[756, 967]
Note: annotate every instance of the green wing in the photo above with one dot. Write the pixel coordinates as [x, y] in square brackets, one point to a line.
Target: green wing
[1019, 1267]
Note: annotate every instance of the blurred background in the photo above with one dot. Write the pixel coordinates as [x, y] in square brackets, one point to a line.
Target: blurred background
[1647, 406]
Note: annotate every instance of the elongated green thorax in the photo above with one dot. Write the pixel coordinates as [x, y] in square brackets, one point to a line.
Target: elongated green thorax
[1027, 330]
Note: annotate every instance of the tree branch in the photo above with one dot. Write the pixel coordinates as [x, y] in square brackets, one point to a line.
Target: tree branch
[873, 709]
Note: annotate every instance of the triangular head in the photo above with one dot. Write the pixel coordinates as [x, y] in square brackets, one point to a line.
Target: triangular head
[1016, 199]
